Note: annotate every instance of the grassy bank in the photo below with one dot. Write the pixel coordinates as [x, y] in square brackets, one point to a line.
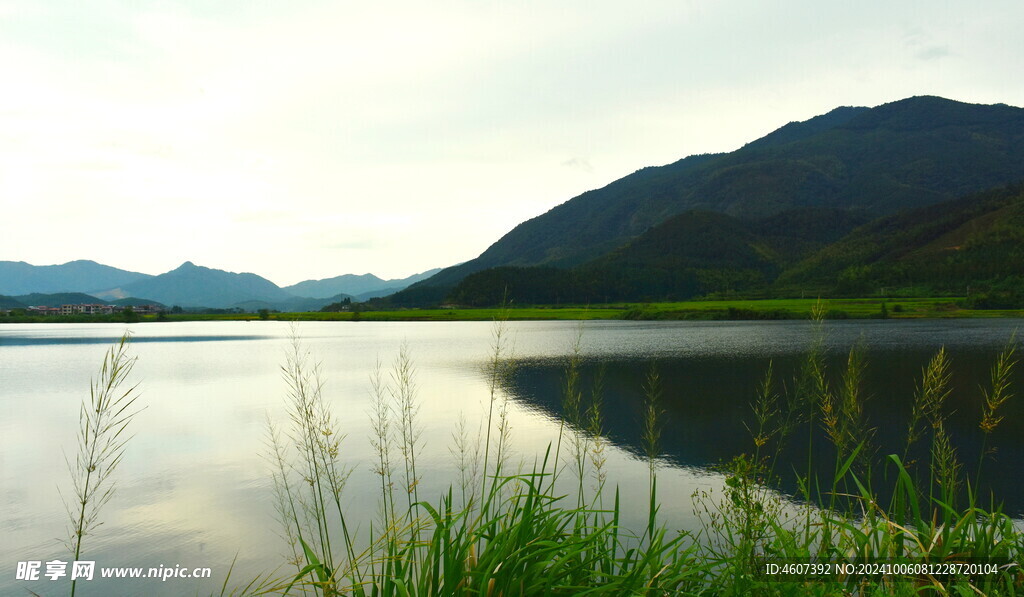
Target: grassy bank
[724, 310]
[740, 309]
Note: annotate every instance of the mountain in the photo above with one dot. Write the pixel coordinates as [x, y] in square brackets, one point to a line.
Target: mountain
[972, 245]
[694, 253]
[18, 277]
[188, 286]
[295, 304]
[905, 154]
[38, 299]
[379, 292]
[976, 241]
[191, 285]
[348, 283]
[135, 302]
[7, 302]
[361, 286]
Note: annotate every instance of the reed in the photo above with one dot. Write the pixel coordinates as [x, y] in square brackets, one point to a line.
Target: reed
[103, 422]
[994, 398]
[316, 439]
[595, 435]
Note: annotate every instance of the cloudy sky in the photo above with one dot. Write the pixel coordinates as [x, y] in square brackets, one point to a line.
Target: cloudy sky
[304, 140]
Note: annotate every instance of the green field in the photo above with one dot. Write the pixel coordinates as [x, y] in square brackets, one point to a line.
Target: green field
[740, 309]
[858, 308]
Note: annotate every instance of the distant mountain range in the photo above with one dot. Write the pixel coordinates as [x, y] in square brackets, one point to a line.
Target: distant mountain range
[188, 286]
[361, 287]
[193, 285]
[18, 277]
[866, 162]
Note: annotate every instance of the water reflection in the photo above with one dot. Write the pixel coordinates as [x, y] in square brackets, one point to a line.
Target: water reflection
[11, 340]
[707, 403]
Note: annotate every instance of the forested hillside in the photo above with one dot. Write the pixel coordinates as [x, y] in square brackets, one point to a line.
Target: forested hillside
[878, 161]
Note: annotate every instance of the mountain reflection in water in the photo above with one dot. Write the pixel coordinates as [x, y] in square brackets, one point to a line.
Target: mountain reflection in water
[707, 410]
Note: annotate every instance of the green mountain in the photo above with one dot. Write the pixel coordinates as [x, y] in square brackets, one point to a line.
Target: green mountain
[693, 253]
[39, 299]
[976, 241]
[18, 277]
[134, 302]
[906, 154]
[973, 245]
[7, 302]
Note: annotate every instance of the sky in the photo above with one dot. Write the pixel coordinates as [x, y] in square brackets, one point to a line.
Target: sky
[305, 140]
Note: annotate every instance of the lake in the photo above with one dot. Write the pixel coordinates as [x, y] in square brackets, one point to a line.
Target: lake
[194, 489]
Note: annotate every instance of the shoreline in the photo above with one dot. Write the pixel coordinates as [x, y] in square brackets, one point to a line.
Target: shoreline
[718, 310]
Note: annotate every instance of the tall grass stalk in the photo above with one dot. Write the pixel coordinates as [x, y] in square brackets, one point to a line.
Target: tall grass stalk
[651, 439]
[572, 417]
[467, 451]
[766, 413]
[497, 369]
[595, 431]
[403, 391]
[103, 421]
[928, 400]
[995, 398]
[285, 498]
[316, 435]
[381, 421]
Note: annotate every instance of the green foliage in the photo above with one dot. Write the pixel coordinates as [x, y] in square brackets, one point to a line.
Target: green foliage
[342, 305]
[57, 299]
[1006, 293]
[695, 253]
[972, 245]
[526, 286]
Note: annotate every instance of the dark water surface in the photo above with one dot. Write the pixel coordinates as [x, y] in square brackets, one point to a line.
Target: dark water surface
[194, 489]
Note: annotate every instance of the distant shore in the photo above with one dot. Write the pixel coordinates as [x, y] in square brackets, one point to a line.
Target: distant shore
[707, 310]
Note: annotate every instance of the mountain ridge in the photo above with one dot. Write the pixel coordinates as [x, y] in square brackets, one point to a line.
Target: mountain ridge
[188, 285]
[899, 155]
[364, 285]
[971, 245]
[81, 275]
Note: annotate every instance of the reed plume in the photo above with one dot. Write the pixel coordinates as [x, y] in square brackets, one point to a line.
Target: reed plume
[103, 421]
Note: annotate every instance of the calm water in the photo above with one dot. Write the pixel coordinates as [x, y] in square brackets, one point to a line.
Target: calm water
[193, 489]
